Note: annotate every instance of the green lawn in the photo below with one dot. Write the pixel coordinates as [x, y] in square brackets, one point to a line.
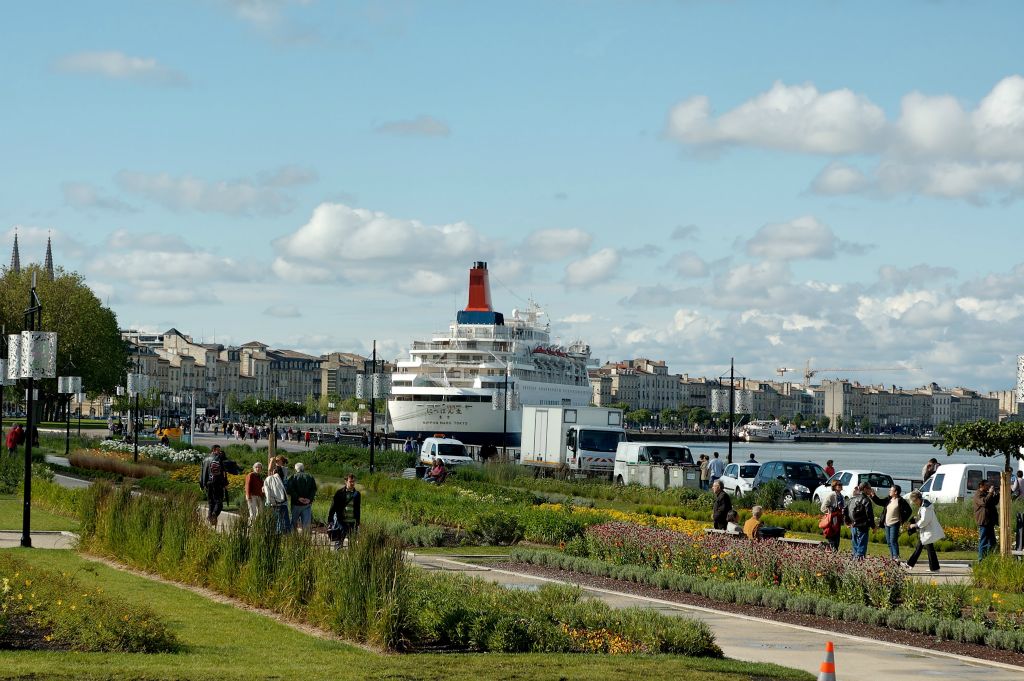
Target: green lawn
[42, 520]
[224, 642]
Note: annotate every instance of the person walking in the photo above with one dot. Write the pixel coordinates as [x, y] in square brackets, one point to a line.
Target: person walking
[830, 470]
[255, 498]
[862, 519]
[986, 515]
[715, 468]
[277, 496]
[721, 506]
[834, 508]
[751, 459]
[897, 512]
[213, 479]
[302, 490]
[928, 531]
[15, 436]
[343, 516]
[309, 434]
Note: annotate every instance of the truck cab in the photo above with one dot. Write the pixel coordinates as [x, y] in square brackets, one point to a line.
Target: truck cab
[592, 447]
[580, 440]
[448, 449]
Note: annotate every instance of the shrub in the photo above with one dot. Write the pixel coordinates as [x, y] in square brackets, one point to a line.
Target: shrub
[12, 469]
[497, 527]
[769, 495]
[57, 609]
[999, 574]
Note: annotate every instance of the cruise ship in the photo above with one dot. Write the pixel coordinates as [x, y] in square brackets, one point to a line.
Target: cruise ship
[471, 381]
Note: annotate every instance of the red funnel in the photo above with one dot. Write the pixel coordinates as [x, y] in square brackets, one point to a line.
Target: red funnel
[479, 289]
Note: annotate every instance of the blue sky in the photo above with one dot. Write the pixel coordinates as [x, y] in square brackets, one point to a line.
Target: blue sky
[783, 181]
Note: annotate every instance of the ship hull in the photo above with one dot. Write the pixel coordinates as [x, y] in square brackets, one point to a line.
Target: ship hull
[475, 423]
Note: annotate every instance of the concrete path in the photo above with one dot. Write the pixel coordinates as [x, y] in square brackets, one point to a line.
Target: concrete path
[10, 539]
[758, 640]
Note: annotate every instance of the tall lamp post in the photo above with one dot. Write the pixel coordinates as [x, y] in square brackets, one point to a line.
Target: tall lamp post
[31, 354]
[732, 402]
[137, 382]
[69, 385]
[3, 375]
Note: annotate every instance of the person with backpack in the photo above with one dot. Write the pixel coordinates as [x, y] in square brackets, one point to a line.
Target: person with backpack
[928, 531]
[862, 519]
[213, 479]
[834, 509]
[897, 512]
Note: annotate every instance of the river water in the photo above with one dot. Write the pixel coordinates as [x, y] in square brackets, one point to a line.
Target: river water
[901, 461]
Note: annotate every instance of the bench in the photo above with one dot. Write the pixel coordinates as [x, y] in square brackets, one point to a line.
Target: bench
[711, 530]
[803, 542]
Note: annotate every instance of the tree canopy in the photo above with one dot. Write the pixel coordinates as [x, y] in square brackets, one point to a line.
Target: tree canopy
[270, 410]
[88, 338]
[985, 438]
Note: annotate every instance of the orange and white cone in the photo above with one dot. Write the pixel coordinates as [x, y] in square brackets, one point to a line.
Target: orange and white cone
[828, 667]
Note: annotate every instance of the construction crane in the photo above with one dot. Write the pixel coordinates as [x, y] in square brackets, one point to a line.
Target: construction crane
[809, 372]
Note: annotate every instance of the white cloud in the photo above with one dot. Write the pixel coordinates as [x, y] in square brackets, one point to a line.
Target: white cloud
[120, 66]
[338, 232]
[839, 178]
[421, 126]
[789, 117]
[689, 265]
[125, 240]
[799, 239]
[426, 283]
[555, 244]
[303, 272]
[187, 193]
[592, 269]
[288, 176]
[934, 147]
[577, 318]
[85, 196]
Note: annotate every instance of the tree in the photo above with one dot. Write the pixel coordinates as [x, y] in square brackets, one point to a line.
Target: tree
[989, 439]
[798, 420]
[865, 424]
[88, 338]
[823, 423]
[269, 411]
[639, 416]
[840, 422]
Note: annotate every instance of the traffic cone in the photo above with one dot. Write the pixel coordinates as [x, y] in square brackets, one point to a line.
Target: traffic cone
[828, 667]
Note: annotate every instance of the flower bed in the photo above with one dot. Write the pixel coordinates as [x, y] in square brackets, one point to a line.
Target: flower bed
[875, 581]
[930, 609]
[156, 452]
[43, 609]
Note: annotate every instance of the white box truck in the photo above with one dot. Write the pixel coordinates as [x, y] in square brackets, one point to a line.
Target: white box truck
[580, 440]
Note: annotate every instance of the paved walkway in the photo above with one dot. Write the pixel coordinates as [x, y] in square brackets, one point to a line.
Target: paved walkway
[758, 640]
[10, 539]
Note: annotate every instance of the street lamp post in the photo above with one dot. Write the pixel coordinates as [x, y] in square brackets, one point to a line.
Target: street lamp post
[31, 355]
[68, 385]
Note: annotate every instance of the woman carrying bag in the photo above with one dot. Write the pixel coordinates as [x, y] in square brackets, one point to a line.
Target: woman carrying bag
[928, 531]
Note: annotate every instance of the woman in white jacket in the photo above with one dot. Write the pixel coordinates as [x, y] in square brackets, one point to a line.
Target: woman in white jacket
[928, 531]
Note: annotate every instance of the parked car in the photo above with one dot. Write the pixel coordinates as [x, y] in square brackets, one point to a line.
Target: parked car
[448, 449]
[958, 481]
[800, 478]
[738, 478]
[851, 479]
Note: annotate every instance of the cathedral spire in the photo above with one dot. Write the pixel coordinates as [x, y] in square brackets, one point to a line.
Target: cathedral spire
[15, 256]
[48, 265]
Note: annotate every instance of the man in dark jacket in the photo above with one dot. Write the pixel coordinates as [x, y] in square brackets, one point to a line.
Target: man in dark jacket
[986, 514]
[862, 520]
[343, 516]
[721, 507]
[302, 490]
[213, 479]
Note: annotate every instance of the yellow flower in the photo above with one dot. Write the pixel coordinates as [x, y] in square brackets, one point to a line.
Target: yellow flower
[60, 602]
[74, 607]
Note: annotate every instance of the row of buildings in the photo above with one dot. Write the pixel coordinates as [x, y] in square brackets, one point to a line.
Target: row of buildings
[179, 368]
[647, 384]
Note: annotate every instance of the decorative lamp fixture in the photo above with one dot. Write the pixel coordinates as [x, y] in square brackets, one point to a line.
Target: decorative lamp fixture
[13, 357]
[38, 354]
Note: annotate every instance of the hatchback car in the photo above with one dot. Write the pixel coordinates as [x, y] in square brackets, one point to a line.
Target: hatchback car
[850, 480]
[799, 477]
[738, 478]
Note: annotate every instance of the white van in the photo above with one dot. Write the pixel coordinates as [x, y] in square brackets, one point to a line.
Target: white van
[954, 482]
[654, 464]
[448, 449]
